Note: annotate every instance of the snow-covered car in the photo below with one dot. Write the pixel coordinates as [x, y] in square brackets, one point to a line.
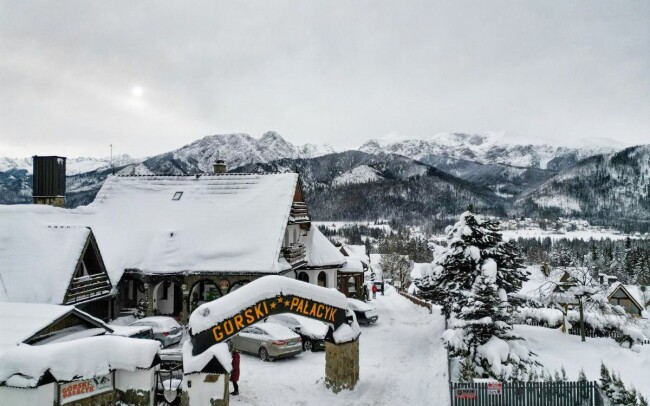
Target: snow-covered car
[165, 329]
[366, 314]
[145, 332]
[312, 332]
[268, 341]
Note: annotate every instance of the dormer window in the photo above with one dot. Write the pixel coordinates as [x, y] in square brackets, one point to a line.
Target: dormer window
[177, 196]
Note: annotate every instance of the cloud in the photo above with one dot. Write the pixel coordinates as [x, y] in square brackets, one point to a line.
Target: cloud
[318, 71]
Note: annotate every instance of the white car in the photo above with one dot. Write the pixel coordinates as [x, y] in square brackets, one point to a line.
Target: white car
[165, 329]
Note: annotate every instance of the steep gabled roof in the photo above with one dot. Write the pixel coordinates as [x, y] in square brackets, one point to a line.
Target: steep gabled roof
[37, 260]
[321, 252]
[632, 291]
[230, 222]
[22, 321]
[219, 223]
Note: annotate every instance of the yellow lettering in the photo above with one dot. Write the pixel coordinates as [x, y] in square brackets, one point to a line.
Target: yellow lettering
[249, 316]
[312, 312]
[266, 309]
[305, 307]
[238, 321]
[332, 313]
[294, 302]
[228, 327]
[216, 331]
[319, 311]
[258, 311]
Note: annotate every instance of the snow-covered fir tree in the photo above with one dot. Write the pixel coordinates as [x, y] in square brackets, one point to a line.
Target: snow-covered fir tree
[471, 279]
[470, 242]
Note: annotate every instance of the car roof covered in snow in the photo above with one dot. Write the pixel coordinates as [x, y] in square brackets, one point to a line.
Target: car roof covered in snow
[320, 251]
[34, 249]
[276, 330]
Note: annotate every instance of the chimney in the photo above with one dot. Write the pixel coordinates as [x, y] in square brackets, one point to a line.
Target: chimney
[220, 166]
[48, 183]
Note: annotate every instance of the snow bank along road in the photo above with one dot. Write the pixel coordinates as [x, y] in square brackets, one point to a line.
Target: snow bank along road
[402, 362]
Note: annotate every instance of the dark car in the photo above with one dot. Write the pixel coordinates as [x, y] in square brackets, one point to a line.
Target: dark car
[311, 331]
[366, 314]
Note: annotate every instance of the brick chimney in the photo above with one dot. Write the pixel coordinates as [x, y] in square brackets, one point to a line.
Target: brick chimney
[220, 167]
[48, 183]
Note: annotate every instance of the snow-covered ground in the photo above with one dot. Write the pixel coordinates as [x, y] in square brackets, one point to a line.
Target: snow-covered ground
[402, 362]
[555, 350]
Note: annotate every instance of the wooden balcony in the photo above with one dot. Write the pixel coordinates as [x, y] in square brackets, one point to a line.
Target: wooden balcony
[88, 287]
[295, 253]
[299, 213]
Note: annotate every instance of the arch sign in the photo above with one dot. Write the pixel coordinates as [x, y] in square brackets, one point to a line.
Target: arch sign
[216, 321]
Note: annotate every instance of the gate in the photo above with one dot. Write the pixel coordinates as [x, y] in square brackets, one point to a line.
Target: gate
[526, 394]
[168, 385]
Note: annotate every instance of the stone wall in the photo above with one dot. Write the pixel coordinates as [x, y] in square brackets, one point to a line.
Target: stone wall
[341, 365]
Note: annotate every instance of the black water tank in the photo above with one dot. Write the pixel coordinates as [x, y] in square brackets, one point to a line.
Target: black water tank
[49, 176]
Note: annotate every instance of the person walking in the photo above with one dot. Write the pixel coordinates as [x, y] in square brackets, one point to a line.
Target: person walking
[366, 294]
[374, 291]
[382, 288]
[234, 375]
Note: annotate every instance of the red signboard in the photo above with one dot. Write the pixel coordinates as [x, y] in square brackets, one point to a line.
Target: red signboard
[465, 393]
[495, 388]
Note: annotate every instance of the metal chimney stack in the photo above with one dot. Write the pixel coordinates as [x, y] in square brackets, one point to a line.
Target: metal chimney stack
[220, 167]
[48, 184]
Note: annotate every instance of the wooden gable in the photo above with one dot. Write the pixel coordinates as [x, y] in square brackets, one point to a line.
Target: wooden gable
[90, 279]
[622, 297]
[74, 319]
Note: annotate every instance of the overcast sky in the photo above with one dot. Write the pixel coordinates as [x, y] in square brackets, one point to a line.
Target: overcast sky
[148, 77]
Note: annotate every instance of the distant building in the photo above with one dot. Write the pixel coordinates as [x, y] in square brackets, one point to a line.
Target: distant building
[629, 297]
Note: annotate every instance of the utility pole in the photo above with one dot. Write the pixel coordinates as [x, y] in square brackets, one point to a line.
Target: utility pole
[111, 161]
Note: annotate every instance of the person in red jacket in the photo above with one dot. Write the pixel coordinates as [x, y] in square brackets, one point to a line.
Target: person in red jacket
[374, 291]
[234, 374]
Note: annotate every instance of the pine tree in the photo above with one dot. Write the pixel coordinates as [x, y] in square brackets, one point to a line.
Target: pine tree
[563, 372]
[582, 377]
[642, 401]
[605, 380]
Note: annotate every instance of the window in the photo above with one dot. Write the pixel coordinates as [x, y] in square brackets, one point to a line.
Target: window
[177, 196]
[352, 284]
[322, 279]
[302, 276]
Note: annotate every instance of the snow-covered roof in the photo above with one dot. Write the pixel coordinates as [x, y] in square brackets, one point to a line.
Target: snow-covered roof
[220, 223]
[352, 265]
[421, 269]
[85, 358]
[632, 290]
[20, 321]
[320, 251]
[34, 249]
[356, 251]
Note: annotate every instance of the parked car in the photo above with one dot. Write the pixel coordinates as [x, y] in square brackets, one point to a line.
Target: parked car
[366, 314]
[269, 341]
[312, 332]
[145, 332]
[165, 329]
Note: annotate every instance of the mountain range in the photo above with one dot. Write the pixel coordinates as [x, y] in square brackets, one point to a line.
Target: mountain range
[410, 179]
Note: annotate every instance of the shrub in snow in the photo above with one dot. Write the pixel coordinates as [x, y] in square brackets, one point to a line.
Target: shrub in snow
[614, 389]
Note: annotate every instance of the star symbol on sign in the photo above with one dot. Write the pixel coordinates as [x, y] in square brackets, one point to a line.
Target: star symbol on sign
[273, 305]
[286, 303]
[280, 299]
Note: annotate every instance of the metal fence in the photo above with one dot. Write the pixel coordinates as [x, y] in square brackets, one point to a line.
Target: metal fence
[526, 394]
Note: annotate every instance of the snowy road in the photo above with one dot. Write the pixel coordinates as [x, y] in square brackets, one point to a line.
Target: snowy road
[402, 363]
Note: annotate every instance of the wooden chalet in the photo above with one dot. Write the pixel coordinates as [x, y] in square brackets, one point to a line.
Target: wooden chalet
[51, 264]
[629, 297]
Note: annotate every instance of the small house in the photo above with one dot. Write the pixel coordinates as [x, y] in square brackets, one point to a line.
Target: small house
[629, 297]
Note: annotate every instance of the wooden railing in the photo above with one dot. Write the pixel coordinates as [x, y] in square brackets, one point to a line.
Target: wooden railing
[87, 287]
[295, 252]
